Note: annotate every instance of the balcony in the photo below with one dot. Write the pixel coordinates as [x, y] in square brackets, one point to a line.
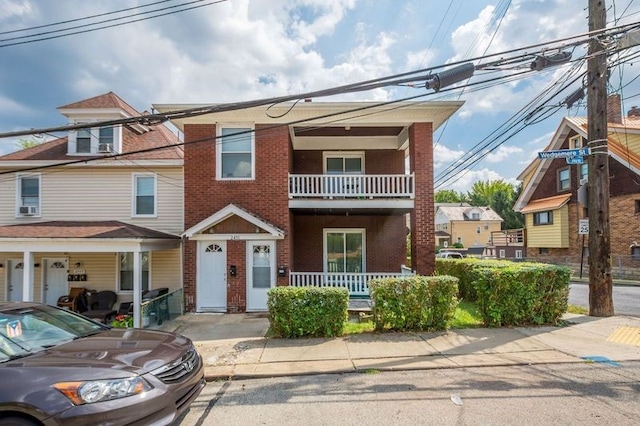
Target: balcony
[355, 282]
[352, 191]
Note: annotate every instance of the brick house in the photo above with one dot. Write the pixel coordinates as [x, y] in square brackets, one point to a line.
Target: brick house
[553, 202]
[315, 193]
[467, 225]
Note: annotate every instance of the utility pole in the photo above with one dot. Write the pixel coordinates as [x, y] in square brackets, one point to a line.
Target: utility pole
[600, 285]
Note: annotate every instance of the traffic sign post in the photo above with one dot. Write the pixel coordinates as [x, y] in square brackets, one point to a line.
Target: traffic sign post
[583, 226]
[575, 160]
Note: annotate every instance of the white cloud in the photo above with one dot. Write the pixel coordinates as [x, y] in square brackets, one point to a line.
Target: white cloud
[503, 153]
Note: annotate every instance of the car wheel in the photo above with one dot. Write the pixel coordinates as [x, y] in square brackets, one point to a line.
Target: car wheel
[18, 421]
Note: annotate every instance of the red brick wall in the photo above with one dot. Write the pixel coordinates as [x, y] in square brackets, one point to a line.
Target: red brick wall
[385, 240]
[379, 162]
[237, 286]
[422, 217]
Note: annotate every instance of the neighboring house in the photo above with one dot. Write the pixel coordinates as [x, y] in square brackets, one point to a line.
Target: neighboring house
[74, 213]
[466, 225]
[305, 194]
[550, 198]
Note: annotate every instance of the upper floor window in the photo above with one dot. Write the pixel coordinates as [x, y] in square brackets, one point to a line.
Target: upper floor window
[235, 152]
[584, 172]
[475, 216]
[28, 195]
[144, 195]
[543, 218]
[575, 142]
[478, 230]
[564, 179]
[83, 141]
[105, 139]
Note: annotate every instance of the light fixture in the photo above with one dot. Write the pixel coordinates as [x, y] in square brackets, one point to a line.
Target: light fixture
[78, 264]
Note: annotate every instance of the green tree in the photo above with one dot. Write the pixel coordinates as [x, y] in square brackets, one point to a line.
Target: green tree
[27, 143]
[450, 196]
[501, 197]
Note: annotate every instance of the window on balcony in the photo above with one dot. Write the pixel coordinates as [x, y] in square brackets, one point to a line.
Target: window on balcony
[344, 250]
[235, 152]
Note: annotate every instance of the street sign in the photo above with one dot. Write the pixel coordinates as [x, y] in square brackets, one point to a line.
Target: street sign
[575, 160]
[563, 153]
[583, 227]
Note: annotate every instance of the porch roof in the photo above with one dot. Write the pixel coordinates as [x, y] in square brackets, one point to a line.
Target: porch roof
[550, 203]
[65, 235]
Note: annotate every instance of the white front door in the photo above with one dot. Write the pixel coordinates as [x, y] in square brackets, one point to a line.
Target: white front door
[14, 280]
[55, 280]
[261, 273]
[212, 276]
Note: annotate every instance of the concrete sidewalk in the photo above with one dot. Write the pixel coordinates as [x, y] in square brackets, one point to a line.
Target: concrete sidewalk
[234, 346]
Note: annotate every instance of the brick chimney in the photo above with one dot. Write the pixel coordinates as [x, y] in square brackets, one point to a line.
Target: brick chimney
[614, 109]
[633, 112]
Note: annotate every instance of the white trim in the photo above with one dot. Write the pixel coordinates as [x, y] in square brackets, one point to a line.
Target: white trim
[134, 193]
[253, 307]
[226, 212]
[361, 231]
[218, 150]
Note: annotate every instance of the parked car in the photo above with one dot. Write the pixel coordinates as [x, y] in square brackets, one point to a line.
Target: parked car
[450, 255]
[58, 367]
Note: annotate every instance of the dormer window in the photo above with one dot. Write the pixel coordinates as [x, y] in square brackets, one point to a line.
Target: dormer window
[96, 140]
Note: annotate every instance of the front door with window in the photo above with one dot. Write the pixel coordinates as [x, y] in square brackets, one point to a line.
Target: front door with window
[261, 273]
[212, 277]
[15, 277]
[55, 280]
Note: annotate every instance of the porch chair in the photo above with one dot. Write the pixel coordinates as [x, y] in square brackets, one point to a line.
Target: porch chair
[75, 301]
[101, 306]
[158, 306]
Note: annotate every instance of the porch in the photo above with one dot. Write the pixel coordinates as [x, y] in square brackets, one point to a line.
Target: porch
[355, 282]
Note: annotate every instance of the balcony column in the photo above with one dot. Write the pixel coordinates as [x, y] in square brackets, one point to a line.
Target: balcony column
[423, 240]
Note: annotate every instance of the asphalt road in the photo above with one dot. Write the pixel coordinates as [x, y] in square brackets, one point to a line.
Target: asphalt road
[626, 299]
[554, 394]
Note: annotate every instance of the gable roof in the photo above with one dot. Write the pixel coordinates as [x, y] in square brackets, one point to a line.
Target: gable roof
[151, 141]
[623, 142]
[227, 212]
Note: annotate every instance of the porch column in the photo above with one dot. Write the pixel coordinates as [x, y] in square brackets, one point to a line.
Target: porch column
[137, 288]
[27, 276]
[423, 242]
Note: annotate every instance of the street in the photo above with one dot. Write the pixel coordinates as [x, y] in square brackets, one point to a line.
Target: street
[560, 394]
[626, 299]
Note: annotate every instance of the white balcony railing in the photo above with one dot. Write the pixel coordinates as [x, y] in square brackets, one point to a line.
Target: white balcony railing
[355, 282]
[351, 186]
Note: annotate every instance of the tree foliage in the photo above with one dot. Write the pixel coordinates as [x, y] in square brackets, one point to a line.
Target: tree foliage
[501, 197]
[26, 143]
[450, 196]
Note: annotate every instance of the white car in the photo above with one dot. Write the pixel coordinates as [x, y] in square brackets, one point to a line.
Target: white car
[450, 255]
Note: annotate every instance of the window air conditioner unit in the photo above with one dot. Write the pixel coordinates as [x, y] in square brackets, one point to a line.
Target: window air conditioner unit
[583, 181]
[104, 147]
[28, 210]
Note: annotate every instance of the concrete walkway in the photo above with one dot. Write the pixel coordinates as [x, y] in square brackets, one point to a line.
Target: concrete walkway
[234, 346]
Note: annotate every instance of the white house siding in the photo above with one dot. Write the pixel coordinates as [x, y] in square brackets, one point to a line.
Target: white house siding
[99, 194]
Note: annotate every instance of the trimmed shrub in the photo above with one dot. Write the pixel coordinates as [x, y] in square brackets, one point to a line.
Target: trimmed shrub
[522, 293]
[413, 302]
[464, 271]
[307, 311]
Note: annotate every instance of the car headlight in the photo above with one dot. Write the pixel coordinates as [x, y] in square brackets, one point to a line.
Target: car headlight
[91, 391]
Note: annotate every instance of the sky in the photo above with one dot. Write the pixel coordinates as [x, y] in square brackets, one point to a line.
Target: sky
[239, 50]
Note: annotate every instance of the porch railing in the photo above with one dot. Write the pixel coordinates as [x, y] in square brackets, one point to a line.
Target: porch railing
[162, 308]
[355, 282]
[351, 186]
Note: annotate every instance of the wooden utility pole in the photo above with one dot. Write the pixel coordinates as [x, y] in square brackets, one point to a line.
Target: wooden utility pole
[600, 286]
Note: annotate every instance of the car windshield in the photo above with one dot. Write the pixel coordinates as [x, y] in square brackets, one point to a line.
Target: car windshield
[27, 330]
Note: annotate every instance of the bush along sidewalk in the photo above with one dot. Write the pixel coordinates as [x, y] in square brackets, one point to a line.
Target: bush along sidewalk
[512, 293]
[413, 302]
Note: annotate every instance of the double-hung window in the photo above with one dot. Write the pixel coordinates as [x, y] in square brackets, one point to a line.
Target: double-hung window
[105, 139]
[28, 196]
[235, 152]
[126, 271]
[83, 141]
[564, 179]
[344, 250]
[144, 195]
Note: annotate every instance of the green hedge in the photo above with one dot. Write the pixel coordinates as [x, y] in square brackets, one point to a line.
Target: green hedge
[522, 293]
[464, 271]
[307, 311]
[413, 302]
